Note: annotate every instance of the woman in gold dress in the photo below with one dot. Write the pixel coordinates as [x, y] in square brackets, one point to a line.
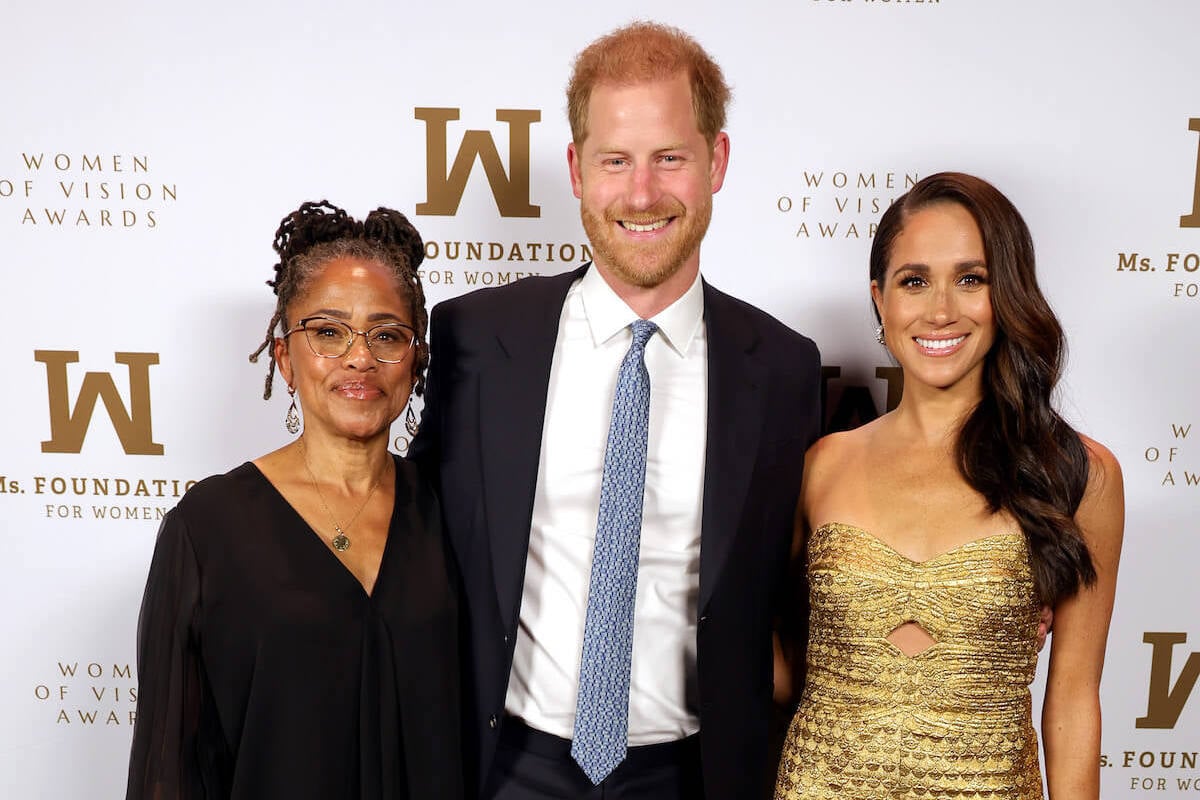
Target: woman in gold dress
[934, 534]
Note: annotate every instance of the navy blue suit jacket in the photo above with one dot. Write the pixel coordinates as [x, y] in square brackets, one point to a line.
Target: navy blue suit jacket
[481, 439]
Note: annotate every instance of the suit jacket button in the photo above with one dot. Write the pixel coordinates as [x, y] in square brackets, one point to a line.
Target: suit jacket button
[492, 721]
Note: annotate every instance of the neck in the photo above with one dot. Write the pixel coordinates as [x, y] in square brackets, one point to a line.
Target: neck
[353, 466]
[936, 415]
[646, 301]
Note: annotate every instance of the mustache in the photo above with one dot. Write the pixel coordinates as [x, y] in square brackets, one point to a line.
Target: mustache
[644, 216]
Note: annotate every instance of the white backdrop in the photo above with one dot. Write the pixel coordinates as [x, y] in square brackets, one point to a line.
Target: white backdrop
[147, 154]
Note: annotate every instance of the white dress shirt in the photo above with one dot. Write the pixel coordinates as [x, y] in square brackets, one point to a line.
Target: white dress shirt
[593, 338]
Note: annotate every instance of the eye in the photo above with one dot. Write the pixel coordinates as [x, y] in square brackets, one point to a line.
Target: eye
[911, 281]
[326, 330]
[385, 336]
[973, 279]
[391, 334]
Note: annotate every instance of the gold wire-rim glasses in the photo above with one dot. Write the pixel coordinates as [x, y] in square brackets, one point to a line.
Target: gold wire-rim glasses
[350, 333]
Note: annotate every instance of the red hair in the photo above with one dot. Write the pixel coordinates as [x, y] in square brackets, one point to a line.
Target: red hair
[648, 51]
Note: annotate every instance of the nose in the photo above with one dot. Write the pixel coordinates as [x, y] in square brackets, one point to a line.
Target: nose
[942, 307]
[359, 355]
[643, 186]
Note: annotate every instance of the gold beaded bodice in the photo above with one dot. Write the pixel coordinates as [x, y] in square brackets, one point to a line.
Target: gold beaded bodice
[952, 721]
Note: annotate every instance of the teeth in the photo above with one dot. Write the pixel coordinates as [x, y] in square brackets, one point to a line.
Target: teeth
[653, 226]
[939, 344]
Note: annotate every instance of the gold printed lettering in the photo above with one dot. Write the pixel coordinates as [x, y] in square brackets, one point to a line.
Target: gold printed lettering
[445, 185]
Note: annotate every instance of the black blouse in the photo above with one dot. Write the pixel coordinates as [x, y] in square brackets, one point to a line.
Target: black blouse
[266, 671]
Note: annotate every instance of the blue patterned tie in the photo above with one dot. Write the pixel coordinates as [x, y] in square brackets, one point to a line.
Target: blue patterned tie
[602, 708]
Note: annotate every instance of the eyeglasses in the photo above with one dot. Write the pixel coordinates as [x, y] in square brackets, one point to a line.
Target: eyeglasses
[389, 343]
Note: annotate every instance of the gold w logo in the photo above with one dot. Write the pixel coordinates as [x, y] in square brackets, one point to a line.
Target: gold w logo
[68, 428]
[1192, 220]
[445, 186]
[1166, 702]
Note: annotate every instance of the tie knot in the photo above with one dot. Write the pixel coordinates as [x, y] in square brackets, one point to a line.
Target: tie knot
[643, 329]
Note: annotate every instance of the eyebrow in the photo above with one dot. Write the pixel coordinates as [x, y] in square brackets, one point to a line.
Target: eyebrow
[961, 266]
[607, 152]
[379, 316]
[613, 150]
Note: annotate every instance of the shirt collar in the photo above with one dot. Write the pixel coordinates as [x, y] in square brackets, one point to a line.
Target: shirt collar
[607, 314]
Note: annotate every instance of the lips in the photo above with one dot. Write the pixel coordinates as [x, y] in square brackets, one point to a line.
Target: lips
[647, 221]
[647, 227]
[940, 346]
[357, 390]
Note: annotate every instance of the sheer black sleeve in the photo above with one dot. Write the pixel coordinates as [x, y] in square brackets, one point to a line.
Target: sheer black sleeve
[163, 763]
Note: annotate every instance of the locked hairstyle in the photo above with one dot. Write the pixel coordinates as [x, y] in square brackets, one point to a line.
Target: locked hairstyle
[317, 233]
[648, 51]
[1013, 448]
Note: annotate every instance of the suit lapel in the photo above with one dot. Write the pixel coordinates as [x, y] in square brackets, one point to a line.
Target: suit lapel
[735, 403]
[512, 412]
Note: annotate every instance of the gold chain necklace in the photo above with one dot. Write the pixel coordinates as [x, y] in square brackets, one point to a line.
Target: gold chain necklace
[340, 541]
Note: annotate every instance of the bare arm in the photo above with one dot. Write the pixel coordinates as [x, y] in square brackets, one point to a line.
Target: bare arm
[791, 635]
[1071, 711]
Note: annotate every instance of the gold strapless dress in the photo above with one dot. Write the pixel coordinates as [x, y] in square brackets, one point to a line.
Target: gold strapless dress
[953, 721]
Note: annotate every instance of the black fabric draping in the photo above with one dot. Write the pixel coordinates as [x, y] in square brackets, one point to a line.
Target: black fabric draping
[266, 671]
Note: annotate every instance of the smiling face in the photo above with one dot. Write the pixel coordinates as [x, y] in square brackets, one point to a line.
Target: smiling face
[934, 299]
[353, 396]
[645, 176]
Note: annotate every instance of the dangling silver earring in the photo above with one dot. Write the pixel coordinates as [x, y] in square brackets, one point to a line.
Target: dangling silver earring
[879, 335]
[292, 420]
[410, 420]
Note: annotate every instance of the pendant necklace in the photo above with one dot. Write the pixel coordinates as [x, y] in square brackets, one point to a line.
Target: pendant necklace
[340, 541]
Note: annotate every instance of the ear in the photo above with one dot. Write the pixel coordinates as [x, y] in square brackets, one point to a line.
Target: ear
[877, 298]
[573, 165]
[719, 162]
[283, 360]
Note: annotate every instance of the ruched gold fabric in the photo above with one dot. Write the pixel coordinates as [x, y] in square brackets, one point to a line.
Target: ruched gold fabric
[953, 721]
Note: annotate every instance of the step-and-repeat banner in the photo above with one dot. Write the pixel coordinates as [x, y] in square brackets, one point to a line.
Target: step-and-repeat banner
[149, 150]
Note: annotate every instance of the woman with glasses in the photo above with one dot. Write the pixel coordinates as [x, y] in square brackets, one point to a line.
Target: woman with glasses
[298, 634]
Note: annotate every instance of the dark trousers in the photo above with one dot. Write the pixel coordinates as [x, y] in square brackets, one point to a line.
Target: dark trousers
[532, 765]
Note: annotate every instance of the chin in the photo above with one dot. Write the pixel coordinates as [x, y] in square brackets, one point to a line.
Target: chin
[646, 272]
[947, 382]
[364, 430]
[645, 278]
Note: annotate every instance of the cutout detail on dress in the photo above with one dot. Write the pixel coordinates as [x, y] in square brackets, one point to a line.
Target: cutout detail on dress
[911, 639]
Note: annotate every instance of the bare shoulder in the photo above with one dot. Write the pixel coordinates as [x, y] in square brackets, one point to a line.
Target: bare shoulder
[828, 451]
[1101, 513]
[1104, 471]
[1099, 456]
[831, 461]
[831, 456]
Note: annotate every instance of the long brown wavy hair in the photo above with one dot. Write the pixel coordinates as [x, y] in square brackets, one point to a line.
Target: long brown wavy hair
[1013, 448]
